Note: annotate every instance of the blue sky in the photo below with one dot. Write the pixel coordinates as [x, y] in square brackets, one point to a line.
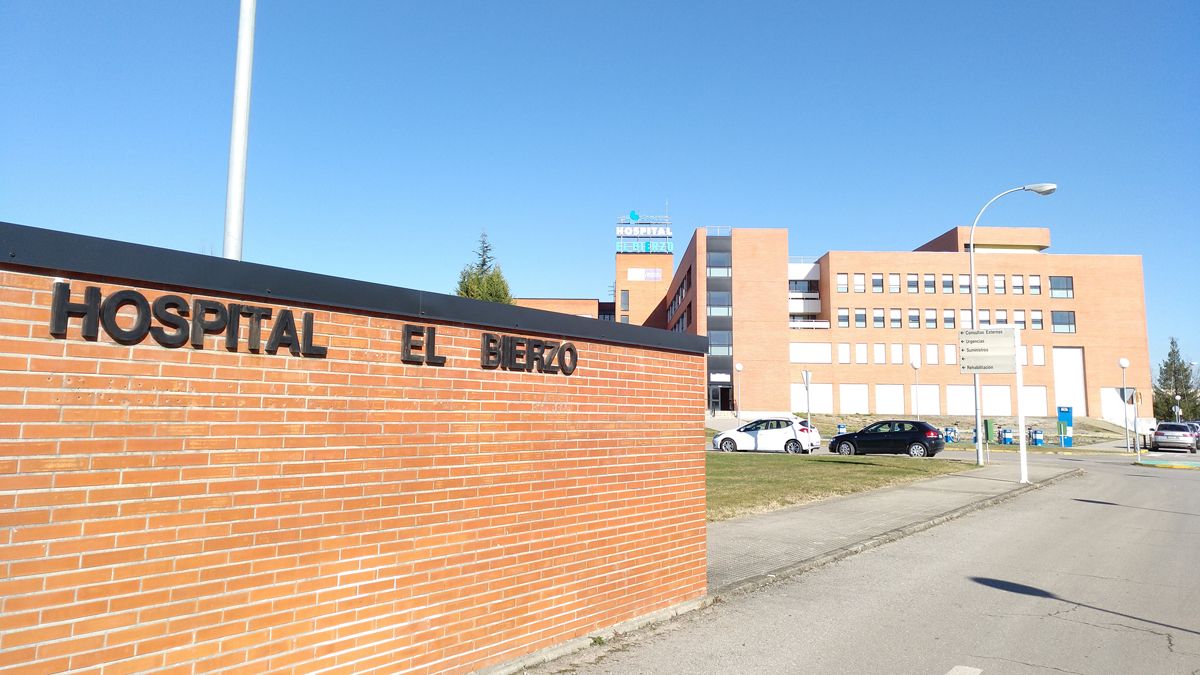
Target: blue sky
[385, 135]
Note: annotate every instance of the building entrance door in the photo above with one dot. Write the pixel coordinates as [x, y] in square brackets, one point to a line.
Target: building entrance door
[720, 398]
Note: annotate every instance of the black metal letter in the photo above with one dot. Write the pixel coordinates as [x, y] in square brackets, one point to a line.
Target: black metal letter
[202, 325]
[141, 320]
[256, 314]
[536, 347]
[62, 309]
[431, 356]
[307, 347]
[162, 305]
[283, 334]
[489, 350]
[568, 364]
[412, 339]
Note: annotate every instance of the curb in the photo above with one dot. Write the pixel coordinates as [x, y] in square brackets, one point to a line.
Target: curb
[792, 569]
[578, 644]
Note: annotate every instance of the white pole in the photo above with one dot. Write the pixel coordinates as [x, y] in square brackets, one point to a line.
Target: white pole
[1020, 408]
[975, 326]
[235, 193]
[1124, 363]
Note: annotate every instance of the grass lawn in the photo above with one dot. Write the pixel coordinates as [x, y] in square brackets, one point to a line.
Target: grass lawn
[743, 483]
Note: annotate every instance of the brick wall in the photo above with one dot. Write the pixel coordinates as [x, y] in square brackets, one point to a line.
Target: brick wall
[201, 510]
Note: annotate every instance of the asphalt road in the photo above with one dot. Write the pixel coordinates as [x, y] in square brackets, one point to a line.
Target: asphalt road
[1097, 574]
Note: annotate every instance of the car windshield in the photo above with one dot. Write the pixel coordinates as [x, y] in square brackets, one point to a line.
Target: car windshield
[1172, 427]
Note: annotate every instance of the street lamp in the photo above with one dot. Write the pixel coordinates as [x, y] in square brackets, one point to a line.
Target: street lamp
[737, 394]
[1124, 363]
[1178, 409]
[916, 366]
[1036, 188]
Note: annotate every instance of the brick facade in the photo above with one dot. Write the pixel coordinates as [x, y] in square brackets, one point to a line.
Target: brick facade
[206, 510]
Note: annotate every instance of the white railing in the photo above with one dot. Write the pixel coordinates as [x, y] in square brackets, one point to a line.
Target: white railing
[808, 324]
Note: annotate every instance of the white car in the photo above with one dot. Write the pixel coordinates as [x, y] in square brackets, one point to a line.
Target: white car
[786, 434]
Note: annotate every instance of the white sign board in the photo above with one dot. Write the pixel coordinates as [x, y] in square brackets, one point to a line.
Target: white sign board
[987, 350]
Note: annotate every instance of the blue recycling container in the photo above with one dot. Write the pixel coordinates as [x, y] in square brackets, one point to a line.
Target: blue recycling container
[951, 434]
[1039, 438]
[841, 428]
[1006, 437]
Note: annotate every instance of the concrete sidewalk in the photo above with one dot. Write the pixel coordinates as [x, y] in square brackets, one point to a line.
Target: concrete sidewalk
[751, 551]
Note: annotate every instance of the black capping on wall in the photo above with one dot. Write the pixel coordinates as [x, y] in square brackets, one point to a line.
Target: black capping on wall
[71, 254]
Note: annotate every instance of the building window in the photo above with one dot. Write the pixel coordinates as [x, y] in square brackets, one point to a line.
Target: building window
[877, 318]
[843, 282]
[1062, 322]
[860, 283]
[893, 283]
[1018, 316]
[876, 283]
[1018, 284]
[998, 284]
[843, 317]
[964, 318]
[1062, 287]
[720, 342]
[948, 283]
[930, 283]
[624, 301]
[964, 283]
[720, 264]
[624, 318]
[931, 318]
[913, 283]
[802, 286]
[1035, 319]
[896, 318]
[860, 318]
[1002, 317]
[981, 284]
[914, 318]
[948, 318]
[1035, 284]
[985, 318]
[720, 303]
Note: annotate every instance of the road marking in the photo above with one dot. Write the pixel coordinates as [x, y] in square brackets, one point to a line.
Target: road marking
[963, 670]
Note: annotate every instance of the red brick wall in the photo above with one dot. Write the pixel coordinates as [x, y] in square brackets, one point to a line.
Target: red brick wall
[201, 510]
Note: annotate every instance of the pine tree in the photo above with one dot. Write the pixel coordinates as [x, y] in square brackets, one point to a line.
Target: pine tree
[1175, 377]
[483, 279]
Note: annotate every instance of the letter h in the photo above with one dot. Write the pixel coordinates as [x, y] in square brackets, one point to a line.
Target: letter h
[62, 309]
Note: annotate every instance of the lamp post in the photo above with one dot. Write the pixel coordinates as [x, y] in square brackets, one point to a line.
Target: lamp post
[235, 196]
[807, 374]
[1124, 363]
[737, 394]
[916, 366]
[1178, 409]
[1037, 188]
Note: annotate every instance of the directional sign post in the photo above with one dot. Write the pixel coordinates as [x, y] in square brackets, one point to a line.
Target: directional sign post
[987, 350]
[994, 350]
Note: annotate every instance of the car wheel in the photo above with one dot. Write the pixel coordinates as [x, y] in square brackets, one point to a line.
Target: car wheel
[792, 447]
[917, 450]
[845, 448]
[728, 445]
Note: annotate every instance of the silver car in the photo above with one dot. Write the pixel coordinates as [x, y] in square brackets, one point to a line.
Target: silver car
[1177, 435]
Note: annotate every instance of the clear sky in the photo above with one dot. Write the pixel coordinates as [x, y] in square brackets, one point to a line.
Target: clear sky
[385, 136]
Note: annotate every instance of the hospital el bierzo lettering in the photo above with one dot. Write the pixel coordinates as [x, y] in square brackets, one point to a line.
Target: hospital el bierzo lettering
[172, 322]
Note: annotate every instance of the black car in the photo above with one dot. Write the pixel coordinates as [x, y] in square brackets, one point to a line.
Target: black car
[919, 439]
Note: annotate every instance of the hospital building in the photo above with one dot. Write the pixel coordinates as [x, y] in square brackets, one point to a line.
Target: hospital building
[878, 330]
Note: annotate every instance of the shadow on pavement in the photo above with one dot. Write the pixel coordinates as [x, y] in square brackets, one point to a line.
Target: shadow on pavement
[1022, 589]
[1140, 508]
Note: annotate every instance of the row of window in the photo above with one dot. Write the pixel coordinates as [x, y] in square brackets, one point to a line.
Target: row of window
[1060, 322]
[685, 284]
[803, 286]
[1060, 287]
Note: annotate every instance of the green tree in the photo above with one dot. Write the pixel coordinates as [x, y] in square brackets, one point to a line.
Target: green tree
[1175, 377]
[483, 279]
